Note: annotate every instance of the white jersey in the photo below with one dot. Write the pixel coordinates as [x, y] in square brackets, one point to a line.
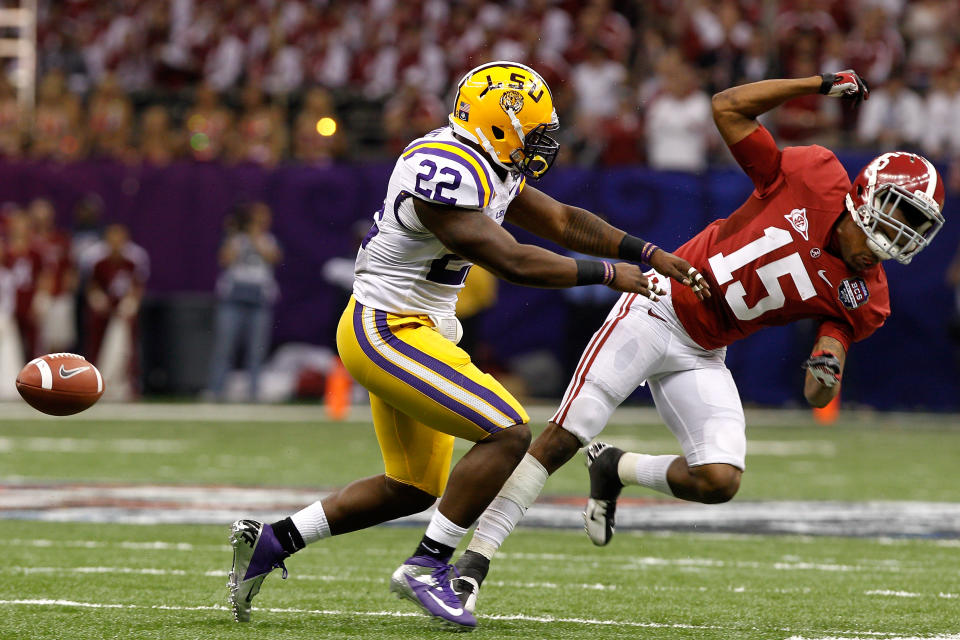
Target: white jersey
[402, 267]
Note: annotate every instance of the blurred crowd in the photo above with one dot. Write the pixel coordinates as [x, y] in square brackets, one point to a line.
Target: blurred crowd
[67, 292]
[266, 81]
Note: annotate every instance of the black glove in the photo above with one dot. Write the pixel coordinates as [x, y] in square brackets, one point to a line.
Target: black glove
[846, 85]
[825, 367]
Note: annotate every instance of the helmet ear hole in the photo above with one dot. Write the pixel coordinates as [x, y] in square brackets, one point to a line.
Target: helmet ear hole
[498, 133]
[860, 190]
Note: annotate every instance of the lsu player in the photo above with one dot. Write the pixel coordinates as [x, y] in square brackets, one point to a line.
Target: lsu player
[805, 244]
[446, 199]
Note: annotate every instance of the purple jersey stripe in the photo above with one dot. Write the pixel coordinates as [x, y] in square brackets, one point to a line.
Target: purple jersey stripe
[443, 369]
[476, 156]
[403, 195]
[426, 389]
[430, 151]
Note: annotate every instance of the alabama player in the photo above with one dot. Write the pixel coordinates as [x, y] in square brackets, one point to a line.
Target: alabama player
[446, 199]
[805, 244]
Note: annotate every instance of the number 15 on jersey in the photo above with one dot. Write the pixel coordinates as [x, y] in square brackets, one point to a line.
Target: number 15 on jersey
[791, 265]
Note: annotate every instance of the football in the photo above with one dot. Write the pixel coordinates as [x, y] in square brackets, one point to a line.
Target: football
[60, 384]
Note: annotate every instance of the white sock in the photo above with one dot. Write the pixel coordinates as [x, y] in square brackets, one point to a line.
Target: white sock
[311, 522]
[506, 510]
[646, 471]
[444, 531]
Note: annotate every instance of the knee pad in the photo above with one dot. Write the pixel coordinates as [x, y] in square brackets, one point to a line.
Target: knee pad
[588, 413]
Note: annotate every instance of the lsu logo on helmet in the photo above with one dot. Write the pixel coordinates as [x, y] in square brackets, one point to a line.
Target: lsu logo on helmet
[507, 109]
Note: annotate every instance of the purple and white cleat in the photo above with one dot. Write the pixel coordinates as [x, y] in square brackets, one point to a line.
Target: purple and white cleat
[256, 552]
[426, 581]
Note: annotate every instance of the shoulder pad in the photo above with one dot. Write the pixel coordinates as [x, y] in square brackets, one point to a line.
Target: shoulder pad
[818, 170]
[448, 173]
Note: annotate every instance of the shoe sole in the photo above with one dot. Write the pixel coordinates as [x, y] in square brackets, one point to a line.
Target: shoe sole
[587, 520]
[240, 614]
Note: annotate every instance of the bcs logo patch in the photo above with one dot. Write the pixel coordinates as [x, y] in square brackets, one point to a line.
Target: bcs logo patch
[853, 293]
[798, 220]
[463, 112]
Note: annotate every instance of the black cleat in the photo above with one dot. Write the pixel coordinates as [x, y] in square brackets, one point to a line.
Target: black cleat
[472, 568]
[605, 487]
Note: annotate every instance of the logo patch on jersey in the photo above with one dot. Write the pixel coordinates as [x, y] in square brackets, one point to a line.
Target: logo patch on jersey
[815, 252]
[463, 112]
[511, 101]
[798, 220]
[501, 213]
[853, 293]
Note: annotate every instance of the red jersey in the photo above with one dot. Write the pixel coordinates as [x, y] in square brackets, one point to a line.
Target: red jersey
[54, 249]
[117, 276]
[768, 264]
[25, 265]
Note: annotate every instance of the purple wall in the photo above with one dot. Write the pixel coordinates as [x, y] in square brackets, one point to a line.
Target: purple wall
[176, 214]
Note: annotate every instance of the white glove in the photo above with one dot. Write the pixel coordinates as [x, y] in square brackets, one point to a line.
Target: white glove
[825, 367]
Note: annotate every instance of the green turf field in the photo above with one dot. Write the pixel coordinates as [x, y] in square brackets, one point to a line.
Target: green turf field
[85, 581]
[851, 461]
[167, 583]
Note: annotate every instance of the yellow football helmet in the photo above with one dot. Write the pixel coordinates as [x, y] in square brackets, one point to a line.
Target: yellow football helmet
[507, 108]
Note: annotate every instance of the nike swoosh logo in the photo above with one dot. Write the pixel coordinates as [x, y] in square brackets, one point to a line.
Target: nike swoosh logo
[650, 311]
[69, 373]
[823, 274]
[431, 549]
[444, 606]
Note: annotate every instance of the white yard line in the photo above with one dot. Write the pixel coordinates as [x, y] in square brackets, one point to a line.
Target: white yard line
[222, 573]
[619, 561]
[848, 635]
[123, 544]
[15, 444]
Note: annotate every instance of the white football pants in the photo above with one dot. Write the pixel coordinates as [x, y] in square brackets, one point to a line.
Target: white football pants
[11, 356]
[643, 341]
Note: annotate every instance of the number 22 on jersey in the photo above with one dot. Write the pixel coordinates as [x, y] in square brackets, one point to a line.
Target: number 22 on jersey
[791, 265]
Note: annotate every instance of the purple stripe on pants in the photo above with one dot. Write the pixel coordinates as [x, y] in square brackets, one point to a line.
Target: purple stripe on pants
[423, 387]
[443, 369]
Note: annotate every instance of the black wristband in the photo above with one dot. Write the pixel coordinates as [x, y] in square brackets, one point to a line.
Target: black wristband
[636, 249]
[631, 248]
[595, 272]
[827, 81]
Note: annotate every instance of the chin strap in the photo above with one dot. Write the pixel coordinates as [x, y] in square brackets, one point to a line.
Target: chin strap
[489, 149]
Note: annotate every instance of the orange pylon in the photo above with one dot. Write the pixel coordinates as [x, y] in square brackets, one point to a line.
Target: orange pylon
[828, 414]
[336, 396]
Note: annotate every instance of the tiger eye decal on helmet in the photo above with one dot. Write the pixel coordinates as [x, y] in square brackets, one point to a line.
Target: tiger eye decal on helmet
[507, 108]
[511, 101]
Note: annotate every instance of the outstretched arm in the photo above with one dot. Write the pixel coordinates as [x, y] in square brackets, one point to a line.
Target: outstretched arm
[824, 370]
[735, 110]
[479, 239]
[584, 232]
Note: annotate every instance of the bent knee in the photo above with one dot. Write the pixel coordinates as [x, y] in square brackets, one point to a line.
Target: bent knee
[717, 482]
[408, 497]
[512, 441]
[519, 437]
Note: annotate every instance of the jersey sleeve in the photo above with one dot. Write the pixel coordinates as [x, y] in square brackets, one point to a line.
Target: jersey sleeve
[759, 157]
[447, 174]
[860, 322]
